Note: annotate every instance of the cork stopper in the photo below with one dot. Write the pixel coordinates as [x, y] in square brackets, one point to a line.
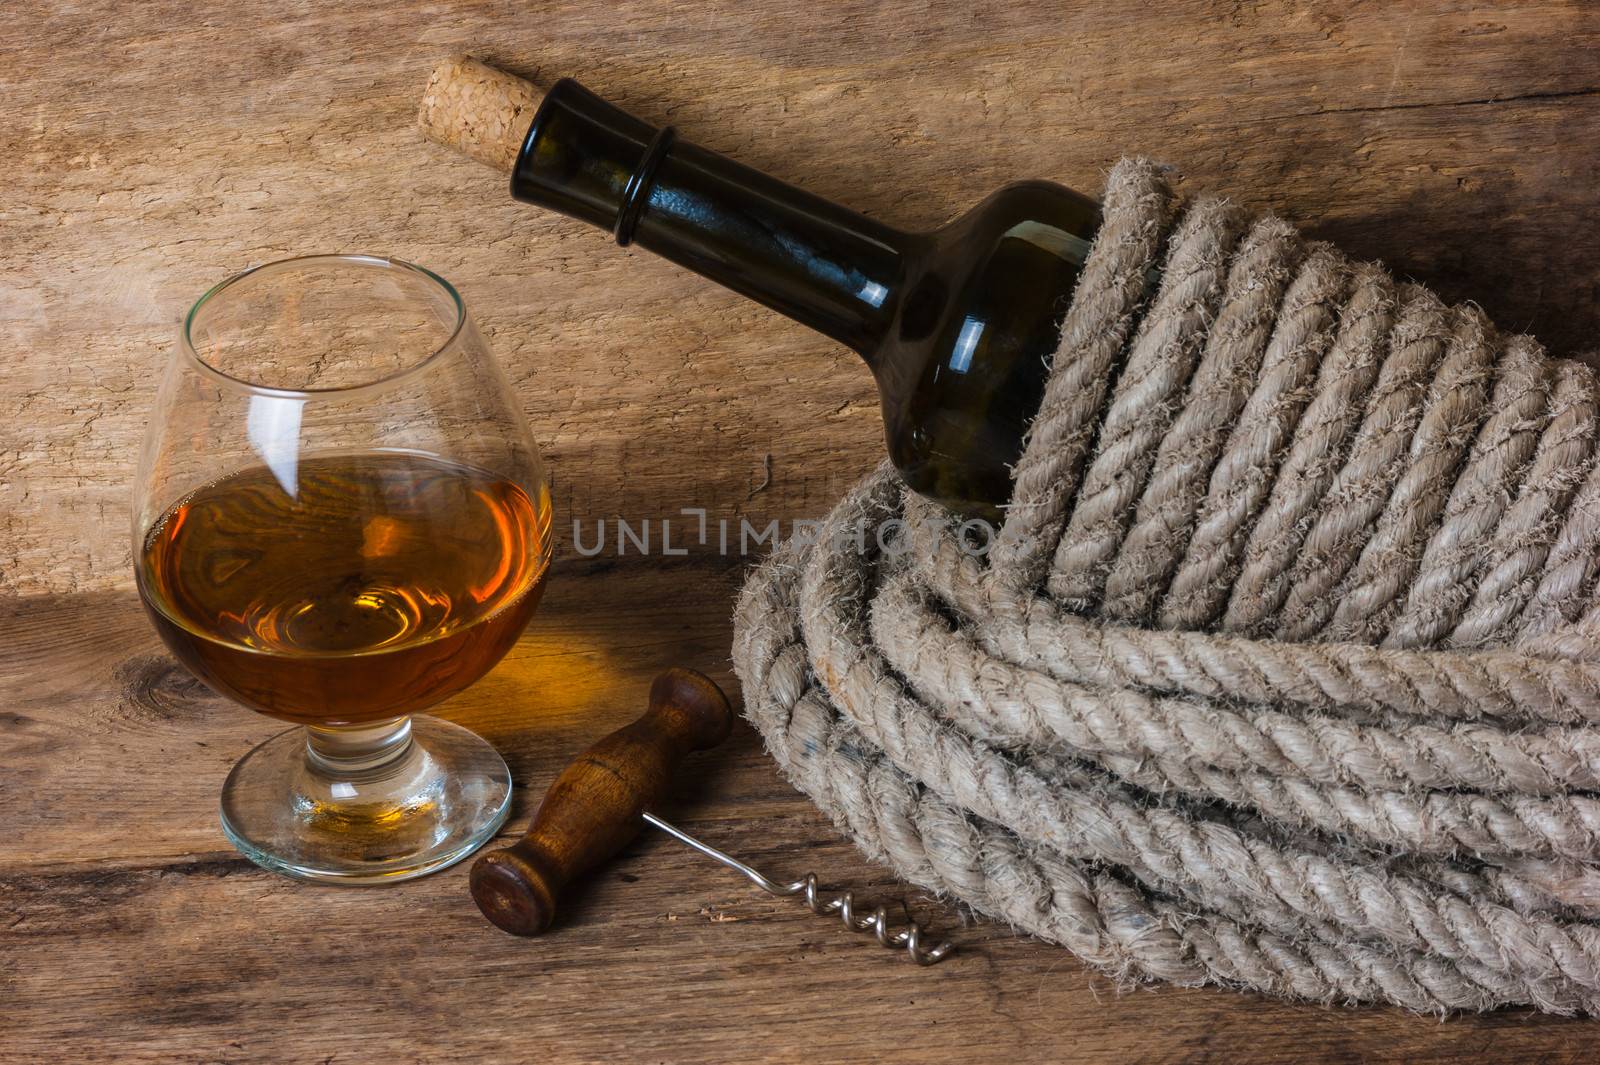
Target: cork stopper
[478, 110]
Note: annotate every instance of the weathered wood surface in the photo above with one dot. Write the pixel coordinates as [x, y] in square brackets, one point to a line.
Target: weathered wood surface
[148, 150]
[130, 931]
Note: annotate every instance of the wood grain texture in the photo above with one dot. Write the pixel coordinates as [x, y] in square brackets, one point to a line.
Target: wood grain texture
[129, 931]
[149, 150]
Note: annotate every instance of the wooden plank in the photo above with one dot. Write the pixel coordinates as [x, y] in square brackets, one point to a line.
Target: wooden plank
[147, 151]
[130, 932]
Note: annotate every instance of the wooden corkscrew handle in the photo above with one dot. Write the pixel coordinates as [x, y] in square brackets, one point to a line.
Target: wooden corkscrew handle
[593, 809]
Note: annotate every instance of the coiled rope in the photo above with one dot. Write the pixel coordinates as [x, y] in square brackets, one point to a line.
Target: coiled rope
[1280, 674]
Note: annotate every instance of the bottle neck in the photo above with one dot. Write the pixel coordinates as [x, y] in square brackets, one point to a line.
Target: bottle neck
[816, 262]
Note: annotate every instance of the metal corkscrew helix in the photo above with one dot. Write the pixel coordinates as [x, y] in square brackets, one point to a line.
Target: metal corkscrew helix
[599, 802]
[909, 937]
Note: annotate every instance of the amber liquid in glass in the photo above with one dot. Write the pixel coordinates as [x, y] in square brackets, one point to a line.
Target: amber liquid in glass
[351, 588]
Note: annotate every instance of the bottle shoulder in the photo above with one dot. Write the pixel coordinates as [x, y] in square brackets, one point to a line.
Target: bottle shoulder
[962, 368]
[1042, 203]
[1017, 236]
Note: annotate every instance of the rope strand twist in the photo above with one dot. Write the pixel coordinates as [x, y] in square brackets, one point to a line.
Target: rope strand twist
[1280, 673]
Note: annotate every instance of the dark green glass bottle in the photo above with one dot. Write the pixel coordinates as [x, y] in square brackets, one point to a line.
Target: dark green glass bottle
[957, 325]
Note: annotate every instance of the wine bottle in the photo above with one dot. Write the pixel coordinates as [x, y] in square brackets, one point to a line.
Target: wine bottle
[957, 324]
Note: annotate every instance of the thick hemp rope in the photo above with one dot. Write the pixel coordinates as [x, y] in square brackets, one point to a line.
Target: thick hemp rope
[1281, 671]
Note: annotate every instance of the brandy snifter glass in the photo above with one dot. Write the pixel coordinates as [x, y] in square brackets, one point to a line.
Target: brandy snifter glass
[340, 520]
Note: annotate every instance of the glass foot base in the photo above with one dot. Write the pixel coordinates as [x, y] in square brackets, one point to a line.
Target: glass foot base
[415, 797]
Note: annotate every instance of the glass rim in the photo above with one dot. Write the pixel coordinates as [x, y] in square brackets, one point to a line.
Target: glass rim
[361, 259]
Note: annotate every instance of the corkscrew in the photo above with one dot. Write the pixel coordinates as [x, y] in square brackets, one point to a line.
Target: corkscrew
[843, 904]
[599, 802]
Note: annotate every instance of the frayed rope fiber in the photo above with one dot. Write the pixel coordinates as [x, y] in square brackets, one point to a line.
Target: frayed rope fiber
[1281, 673]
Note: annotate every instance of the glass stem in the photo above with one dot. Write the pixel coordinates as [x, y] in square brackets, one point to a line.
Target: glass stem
[357, 750]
